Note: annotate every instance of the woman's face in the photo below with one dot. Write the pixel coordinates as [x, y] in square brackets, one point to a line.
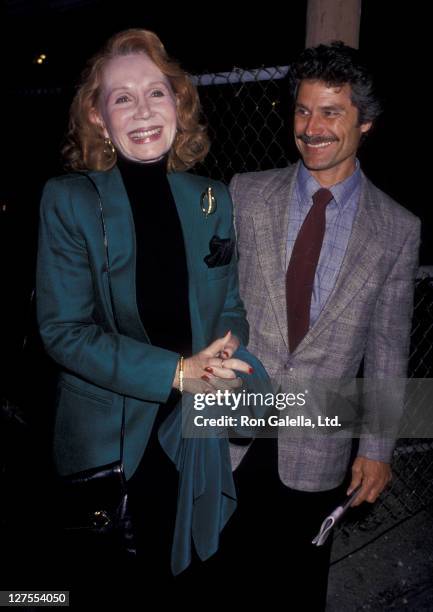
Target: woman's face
[137, 108]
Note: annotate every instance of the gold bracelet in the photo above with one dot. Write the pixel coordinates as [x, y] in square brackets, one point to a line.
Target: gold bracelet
[181, 374]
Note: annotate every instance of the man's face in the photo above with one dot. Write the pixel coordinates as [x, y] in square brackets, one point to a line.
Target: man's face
[326, 130]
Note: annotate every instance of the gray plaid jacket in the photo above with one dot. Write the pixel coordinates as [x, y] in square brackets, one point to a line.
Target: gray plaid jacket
[367, 316]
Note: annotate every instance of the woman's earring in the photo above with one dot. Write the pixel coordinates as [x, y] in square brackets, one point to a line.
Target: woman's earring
[109, 147]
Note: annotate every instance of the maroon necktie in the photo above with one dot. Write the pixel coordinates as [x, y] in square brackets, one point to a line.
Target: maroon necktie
[302, 268]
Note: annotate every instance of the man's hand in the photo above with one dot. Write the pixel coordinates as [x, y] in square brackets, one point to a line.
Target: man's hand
[372, 475]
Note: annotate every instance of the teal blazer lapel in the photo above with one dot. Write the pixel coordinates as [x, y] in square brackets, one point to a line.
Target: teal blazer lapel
[120, 229]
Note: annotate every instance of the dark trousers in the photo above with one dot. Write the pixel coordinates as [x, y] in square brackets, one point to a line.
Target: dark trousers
[266, 548]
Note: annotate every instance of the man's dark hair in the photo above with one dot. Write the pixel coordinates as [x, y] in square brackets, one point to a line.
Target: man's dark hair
[337, 64]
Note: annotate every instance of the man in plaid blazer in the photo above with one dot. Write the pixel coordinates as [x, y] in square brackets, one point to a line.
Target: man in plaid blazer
[360, 313]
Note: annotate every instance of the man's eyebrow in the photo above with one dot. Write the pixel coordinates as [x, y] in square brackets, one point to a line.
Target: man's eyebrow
[332, 107]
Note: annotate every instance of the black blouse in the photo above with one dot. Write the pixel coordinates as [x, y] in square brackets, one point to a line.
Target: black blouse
[162, 275]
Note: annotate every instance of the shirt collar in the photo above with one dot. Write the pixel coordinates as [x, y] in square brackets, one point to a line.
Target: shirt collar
[341, 192]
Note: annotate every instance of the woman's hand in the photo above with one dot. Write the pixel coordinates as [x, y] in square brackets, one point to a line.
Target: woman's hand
[213, 367]
[230, 347]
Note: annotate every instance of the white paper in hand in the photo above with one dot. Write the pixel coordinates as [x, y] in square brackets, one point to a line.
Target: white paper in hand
[333, 518]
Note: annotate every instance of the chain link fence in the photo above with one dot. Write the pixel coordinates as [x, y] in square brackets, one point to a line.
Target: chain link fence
[245, 113]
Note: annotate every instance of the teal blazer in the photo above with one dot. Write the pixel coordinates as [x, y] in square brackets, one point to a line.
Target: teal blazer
[102, 365]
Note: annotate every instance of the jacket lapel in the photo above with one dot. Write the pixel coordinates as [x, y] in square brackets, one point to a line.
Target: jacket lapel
[270, 228]
[120, 230]
[360, 261]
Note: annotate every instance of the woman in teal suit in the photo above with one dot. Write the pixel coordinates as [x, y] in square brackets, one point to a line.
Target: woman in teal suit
[137, 286]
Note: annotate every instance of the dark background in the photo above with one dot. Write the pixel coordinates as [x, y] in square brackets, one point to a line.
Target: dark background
[205, 38]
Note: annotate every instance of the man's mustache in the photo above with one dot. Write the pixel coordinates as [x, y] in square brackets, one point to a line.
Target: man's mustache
[316, 140]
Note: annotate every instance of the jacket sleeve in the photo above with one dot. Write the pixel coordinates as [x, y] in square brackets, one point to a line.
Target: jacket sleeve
[387, 352]
[233, 315]
[66, 311]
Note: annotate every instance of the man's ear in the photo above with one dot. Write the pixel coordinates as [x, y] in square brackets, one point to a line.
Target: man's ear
[96, 119]
[365, 127]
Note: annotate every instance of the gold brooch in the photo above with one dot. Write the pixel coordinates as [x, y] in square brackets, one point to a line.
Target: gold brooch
[208, 202]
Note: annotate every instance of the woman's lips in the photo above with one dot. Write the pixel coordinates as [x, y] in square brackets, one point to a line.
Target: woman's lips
[142, 136]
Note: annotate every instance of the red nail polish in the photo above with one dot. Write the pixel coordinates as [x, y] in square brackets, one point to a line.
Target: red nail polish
[208, 369]
[250, 371]
[205, 378]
